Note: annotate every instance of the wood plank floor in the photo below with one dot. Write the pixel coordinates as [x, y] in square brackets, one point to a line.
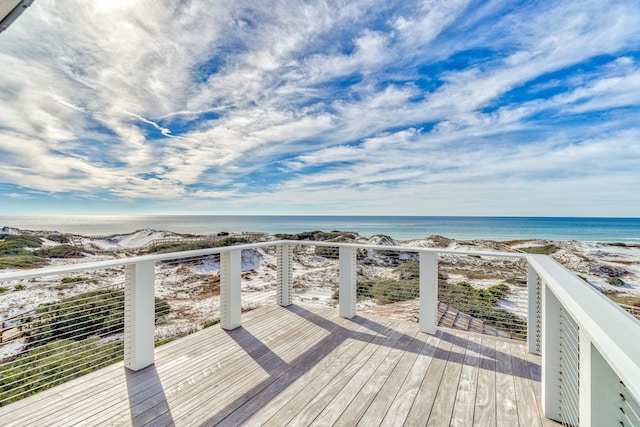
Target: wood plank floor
[305, 365]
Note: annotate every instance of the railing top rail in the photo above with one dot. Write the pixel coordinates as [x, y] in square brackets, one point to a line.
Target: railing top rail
[614, 332]
[98, 265]
[406, 248]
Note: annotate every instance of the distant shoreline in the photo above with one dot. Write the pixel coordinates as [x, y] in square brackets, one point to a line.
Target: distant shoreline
[606, 266]
[613, 266]
[610, 230]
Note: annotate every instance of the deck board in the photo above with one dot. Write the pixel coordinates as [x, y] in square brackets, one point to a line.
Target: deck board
[485, 405]
[401, 406]
[304, 365]
[507, 412]
[362, 400]
[386, 395]
[467, 387]
[423, 403]
[445, 398]
[339, 394]
[525, 393]
[286, 391]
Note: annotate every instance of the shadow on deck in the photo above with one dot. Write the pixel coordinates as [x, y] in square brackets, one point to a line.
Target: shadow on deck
[306, 365]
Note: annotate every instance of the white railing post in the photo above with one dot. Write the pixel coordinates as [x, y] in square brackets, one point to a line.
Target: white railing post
[139, 317]
[285, 274]
[428, 292]
[230, 289]
[534, 319]
[550, 355]
[348, 278]
[599, 388]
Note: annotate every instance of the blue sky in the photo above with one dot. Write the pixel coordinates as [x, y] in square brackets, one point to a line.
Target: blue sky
[347, 107]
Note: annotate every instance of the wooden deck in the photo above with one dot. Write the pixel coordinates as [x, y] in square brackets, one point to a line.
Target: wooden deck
[304, 365]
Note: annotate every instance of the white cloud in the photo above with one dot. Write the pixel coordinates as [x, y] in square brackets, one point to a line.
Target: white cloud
[18, 196]
[345, 100]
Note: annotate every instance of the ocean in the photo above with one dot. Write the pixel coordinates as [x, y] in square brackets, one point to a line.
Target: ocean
[399, 227]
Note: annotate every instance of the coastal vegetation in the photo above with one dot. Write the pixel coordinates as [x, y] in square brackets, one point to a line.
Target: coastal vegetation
[541, 250]
[320, 236]
[478, 303]
[48, 365]
[78, 280]
[191, 246]
[78, 317]
[481, 304]
[619, 298]
[88, 327]
[67, 339]
[24, 251]
[615, 281]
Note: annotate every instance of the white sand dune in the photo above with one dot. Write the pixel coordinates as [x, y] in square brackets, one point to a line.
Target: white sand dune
[193, 293]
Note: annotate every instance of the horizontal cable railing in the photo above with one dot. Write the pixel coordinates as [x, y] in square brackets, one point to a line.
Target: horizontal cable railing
[59, 340]
[258, 277]
[188, 292]
[590, 349]
[581, 335]
[314, 274]
[391, 276]
[569, 372]
[629, 407]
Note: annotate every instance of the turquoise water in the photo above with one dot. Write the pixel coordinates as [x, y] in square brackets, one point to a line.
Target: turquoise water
[402, 228]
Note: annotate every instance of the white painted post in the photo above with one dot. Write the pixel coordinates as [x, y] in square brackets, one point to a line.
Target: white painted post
[139, 317]
[347, 271]
[599, 388]
[285, 274]
[534, 321]
[550, 355]
[230, 289]
[428, 292]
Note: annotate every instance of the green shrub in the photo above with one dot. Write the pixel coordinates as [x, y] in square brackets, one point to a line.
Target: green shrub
[615, 281]
[330, 252]
[58, 238]
[517, 281]
[388, 291]
[81, 316]
[480, 303]
[3, 290]
[190, 246]
[211, 323]
[317, 235]
[164, 341]
[19, 287]
[54, 363]
[78, 279]
[408, 270]
[20, 261]
[15, 244]
[14, 251]
[623, 299]
[61, 251]
[543, 250]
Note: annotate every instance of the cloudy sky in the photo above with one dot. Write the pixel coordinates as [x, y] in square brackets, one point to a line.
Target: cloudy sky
[434, 107]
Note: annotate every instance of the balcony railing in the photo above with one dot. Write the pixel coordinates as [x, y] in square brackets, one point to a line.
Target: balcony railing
[589, 345]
